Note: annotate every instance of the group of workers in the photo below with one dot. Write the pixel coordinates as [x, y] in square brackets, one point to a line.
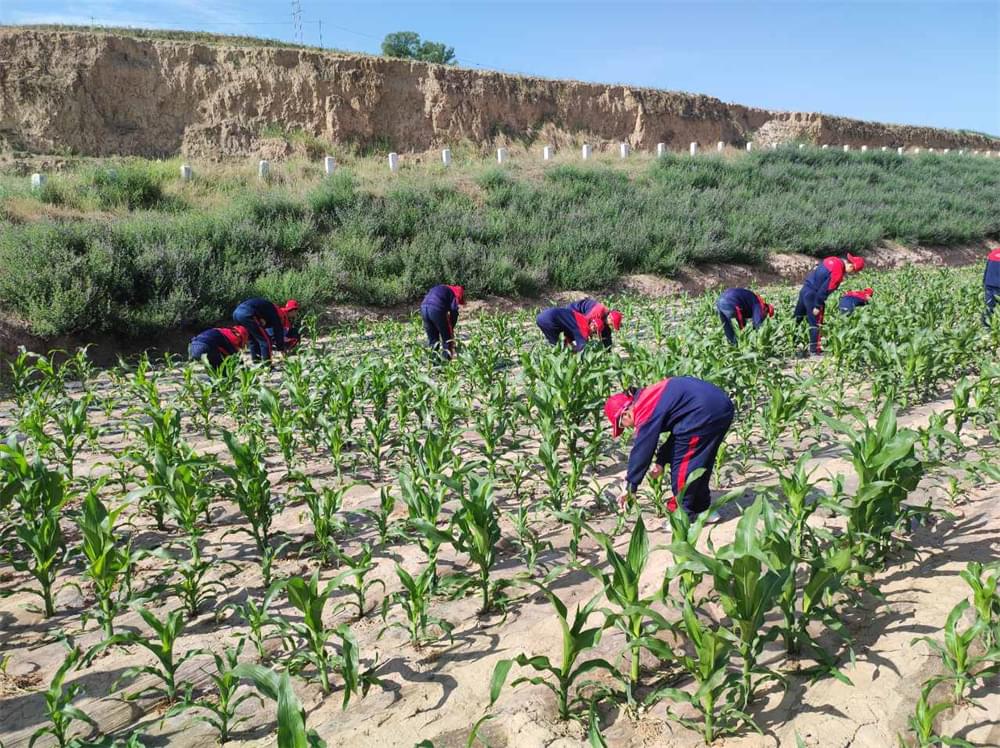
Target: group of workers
[695, 414]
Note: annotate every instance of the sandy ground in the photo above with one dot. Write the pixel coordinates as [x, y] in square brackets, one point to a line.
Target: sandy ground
[439, 691]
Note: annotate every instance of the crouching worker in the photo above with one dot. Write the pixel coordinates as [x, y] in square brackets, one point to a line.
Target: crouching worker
[697, 415]
[819, 284]
[287, 314]
[439, 311]
[741, 304]
[853, 299]
[991, 284]
[218, 344]
[257, 316]
[562, 323]
[593, 309]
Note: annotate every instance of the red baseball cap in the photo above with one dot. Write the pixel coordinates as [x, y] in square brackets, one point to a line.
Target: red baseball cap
[613, 409]
[291, 305]
[459, 292]
[858, 262]
[615, 318]
[868, 292]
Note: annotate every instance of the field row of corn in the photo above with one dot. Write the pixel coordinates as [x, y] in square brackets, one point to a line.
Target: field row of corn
[158, 498]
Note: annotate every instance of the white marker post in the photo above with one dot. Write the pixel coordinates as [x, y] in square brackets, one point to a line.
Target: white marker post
[661, 149]
[947, 150]
[847, 148]
[694, 149]
[186, 173]
[501, 155]
[623, 150]
[547, 153]
[885, 148]
[864, 149]
[749, 147]
[263, 169]
[916, 151]
[720, 146]
[901, 150]
[826, 147]
[801, 146]
[446, 156]
[329, 165]
[585, 152]
[393, 162]
[37, 181]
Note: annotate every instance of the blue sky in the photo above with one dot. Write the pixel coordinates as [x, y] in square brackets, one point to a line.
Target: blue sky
[935, 63]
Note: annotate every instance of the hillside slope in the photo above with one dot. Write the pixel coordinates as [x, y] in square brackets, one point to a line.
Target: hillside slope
[99, 94]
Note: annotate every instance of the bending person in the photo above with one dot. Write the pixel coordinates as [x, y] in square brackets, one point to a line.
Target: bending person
[991, 283]
[439, 311]
[257, 315]
[695, 413]
[851, 300]
[568, 325]
[593, 309]
[819, 284]
[741, 304]
[218, 344]
[287, 314]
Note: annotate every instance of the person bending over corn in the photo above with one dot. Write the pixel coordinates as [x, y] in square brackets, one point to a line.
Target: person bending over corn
[991, 283]
[695, 413]
[257, 315]
[569, 325]
[741, 304]
[819, 284]
[218, 344]
[287, 315]
[439, 311]
[853, 299]
[593, 309]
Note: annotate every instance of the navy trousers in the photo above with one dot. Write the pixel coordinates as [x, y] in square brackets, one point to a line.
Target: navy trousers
[260, 342]
[689, 452]
[438, 329]
[197, 349]
[726, 312]
[804, 311]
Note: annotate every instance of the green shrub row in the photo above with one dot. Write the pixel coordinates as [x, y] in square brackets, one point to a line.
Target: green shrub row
[163, 265]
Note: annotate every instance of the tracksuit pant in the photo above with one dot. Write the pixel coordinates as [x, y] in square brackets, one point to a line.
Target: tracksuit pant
[438, 329]
[197, 349]
[546, 323]
[689, 452]
[727, 311]
[260, 343]
[804, 311]
[992, 294]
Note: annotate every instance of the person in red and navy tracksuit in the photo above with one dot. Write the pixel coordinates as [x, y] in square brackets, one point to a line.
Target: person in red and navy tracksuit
[566, 324]
[287, 315]
[851, 300]
[217, 344]
[819, 284]
[741, 304]
[439, 311]
[257, 315]
[593, 309]
[991, 283]
[697, 415]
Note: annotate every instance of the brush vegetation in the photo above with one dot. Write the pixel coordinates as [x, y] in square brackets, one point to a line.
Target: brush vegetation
[127, 246]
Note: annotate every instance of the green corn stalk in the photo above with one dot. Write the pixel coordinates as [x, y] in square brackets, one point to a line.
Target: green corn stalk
[161, 644]
[256, 617]
[74, 431]
[921, 722]
[415, 599]
[423, 499]
[324, 505]
[309, 642]
[985, 599]
[353, 579]
[559, 678]
[292, 730]
[283, 424]
[59, 706]
[388, 530]
[222, 710]
[956, 652]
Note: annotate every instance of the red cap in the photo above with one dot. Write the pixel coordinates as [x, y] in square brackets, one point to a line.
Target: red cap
[995, 254]
[857, 262]
[615, 318]
[291, 305]
[459, 292]
[769, 310]
[868, 292]
[613, 409]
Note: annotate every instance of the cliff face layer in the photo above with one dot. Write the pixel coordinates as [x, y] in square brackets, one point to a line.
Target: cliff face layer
[100, 95]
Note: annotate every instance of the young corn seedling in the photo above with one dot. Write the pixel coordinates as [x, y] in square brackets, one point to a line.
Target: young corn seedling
[353, 579]
[526, 537]
[388, 530]
[985, 599]
[59, 707]
[561, 677]
[74, 430]
[251, 489]
[161, 645]
[292, 731]
[310, 642]
[921, 722]
[423, 499]
[324, 506]
[108, 560]
[256, 617]
[415, 600]
[283, 424]
[222, 709]
[962, 666]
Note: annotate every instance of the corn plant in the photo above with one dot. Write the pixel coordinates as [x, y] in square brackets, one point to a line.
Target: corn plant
[415, 598]
[283, 424]
[324, 505]
[353, 579]
[74, 430]
[310, 642]
[985, 599]
[292, 731]
[921, 722]
[109, 561]
[59, 706]
[526, 538]
[561, 677]
[388, 530]
[962, 665]
[251, 489]
[41, 495]
[256, 617]
[782, 410]
[423, 498]
[161, 645]
[223, 707]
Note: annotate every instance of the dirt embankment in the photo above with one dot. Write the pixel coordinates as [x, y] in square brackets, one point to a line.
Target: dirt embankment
[100, 95]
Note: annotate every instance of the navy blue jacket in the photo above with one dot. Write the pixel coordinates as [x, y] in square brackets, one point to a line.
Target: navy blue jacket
[441, 298]
[267, 313]
[685, 406]
[215, 339]
[562, 321]
[991, 278]
[584, 307]
[850, 303]
[748, 304]
[823, 280]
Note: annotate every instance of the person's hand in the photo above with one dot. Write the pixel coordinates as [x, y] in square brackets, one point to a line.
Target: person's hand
[815, 312]
[656, 471]
[623, 501]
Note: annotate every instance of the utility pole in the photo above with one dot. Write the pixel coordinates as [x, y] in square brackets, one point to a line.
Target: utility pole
[297, 20]
[320, 33]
